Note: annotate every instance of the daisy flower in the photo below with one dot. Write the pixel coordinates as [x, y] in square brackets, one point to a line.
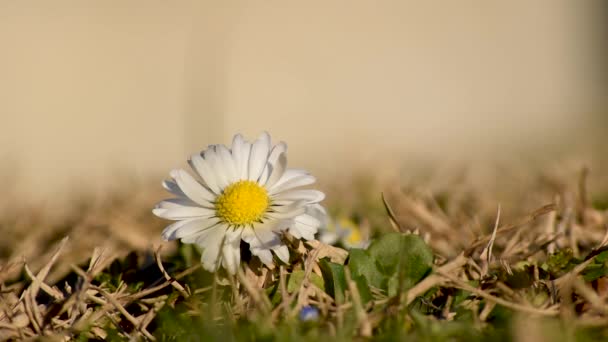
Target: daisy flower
[345, 231]
[242, 193]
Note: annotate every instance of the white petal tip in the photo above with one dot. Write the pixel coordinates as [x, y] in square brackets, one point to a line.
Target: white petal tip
[158, 211]
[174, 173]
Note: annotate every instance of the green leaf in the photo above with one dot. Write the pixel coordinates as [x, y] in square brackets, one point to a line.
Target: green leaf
[363, 289]
[392, 286]
[296, 277]
[362, 264]
[404, 256]
[333, 277]
[593, 272]
[602, 257]
[385, 252]
[416, 259]
[561, 262]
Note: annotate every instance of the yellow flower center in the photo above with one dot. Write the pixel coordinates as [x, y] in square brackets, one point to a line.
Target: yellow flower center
[242, 203]
[355, 237]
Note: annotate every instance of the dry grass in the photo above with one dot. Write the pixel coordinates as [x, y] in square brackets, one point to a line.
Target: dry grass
[486, 258]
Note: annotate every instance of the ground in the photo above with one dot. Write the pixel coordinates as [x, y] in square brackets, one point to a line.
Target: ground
[510, 253]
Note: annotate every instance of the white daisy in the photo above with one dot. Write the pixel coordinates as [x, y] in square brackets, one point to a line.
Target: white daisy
[244, 193]
[345, 231]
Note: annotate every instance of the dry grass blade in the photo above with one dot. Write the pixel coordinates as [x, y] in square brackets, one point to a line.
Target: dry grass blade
[514, 306]
[305, 290]
[262, 302]
[391, 215]
[156, 288]
[591, 296]
[39, 279]
[433, 279]
[486, 253]
[124, 312]
[505, 229]
[56, 294]
[169, 279]
[285, 297]
[335, 254]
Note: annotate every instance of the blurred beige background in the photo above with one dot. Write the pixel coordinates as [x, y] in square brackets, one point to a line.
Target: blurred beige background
[91, 90]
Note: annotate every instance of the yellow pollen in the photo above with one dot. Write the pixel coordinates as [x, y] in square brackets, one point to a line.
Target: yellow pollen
[242, 203]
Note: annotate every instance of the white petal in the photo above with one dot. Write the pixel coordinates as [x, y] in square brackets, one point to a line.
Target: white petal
[168, 232]
[247, 235]
[277, 171]
[204, 170]
[193, 189]
[266, 236]
[291, 180]
[211, 243]
[202, 234]
[295, 232]
[310, 196]
[216, 164]
[231, 252]
[307, 226]
[244, 155]
[271, 164]
[328, 238]
[265, 256]
[256, 246]
[282, 252]
[182, 213]
[305, 232]
[264, 176]
[293, 205]
[283, 224]
[229, 167]
[173, 188]
[258, 156]
[308, 220]
[240, 155]
[287, 214]
[287, 211]
[318, 212]
[292, 173]
[178, 202]
[188, 228]
[277, 150]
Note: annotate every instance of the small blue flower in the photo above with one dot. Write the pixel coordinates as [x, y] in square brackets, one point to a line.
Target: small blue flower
[309, 313]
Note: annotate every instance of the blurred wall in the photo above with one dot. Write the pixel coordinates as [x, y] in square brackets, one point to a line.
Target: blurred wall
[92, 89]
[350, 80]
[89, 90]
